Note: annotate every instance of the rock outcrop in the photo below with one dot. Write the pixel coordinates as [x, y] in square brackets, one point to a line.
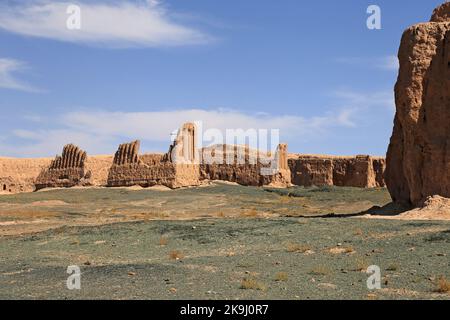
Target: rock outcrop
[65, 171]
[418, 158]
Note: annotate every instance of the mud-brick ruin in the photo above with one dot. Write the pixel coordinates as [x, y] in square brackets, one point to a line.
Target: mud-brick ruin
[67, 170]
[177, 168]
[360, 171]
[186, 165]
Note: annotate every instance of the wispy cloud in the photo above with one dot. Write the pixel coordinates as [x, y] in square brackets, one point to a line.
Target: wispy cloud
[351, 99]
[112, 24]
[101, 131]
[8, 75]
[388, 63]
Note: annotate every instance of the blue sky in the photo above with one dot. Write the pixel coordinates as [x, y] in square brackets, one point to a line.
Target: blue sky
[138, 69]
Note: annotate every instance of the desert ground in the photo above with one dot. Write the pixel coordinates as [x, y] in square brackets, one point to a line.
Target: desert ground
[218, 241]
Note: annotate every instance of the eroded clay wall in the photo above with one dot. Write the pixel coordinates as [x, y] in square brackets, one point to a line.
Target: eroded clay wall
[319, 170]
[67, 170]
[130, 169]
[244, 166]
[19, 175]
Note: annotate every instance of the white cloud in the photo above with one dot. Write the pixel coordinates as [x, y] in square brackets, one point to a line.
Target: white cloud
[101, 131]
[157, 125]
[388, 63]
[113, 24]
[8, 79]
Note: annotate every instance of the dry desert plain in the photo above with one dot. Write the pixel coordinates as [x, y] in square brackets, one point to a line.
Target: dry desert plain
[218, 241]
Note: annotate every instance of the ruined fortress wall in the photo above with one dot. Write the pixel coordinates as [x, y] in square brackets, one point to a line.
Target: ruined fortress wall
[310, 171]
[186, 165]
[379, 166]
[142, 175]
[99, 167]
[129, 169]
[19, 175]
[358, 171]
[243, 165]
[67, 170]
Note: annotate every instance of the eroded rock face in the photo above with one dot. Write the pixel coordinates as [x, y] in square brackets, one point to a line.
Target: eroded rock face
[418, 159]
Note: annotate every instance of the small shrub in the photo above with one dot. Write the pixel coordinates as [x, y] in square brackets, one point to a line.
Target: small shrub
[163, 241]
[361, 264]
[175, 255]
[252, 284]
[349, 249]
[443, 285]
[281, 276]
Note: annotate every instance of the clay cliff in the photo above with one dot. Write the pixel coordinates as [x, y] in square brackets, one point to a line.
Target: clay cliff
[418, 158]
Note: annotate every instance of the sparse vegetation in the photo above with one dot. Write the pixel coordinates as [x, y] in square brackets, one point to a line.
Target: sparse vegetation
[339, 250]
[349, 249]
[163, 240]
[281, 276]
[361, 264]
[252, 284]
[288, 257]
[176, 255]
[298, 248]
[443, 285]
[320, 271]
[392, 267]
[249, 213]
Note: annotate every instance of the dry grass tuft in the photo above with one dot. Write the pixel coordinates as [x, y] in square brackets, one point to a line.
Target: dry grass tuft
[249, 213]
[163, 240]
[392, 267]
[252, 284]
[320, 271]
[443, 285]
[281, 276]
[298, 248]
[176, 255]
[340, 250]
[361, 264]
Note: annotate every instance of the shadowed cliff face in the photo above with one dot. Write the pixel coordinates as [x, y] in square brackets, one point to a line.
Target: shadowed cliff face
[418, 159]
